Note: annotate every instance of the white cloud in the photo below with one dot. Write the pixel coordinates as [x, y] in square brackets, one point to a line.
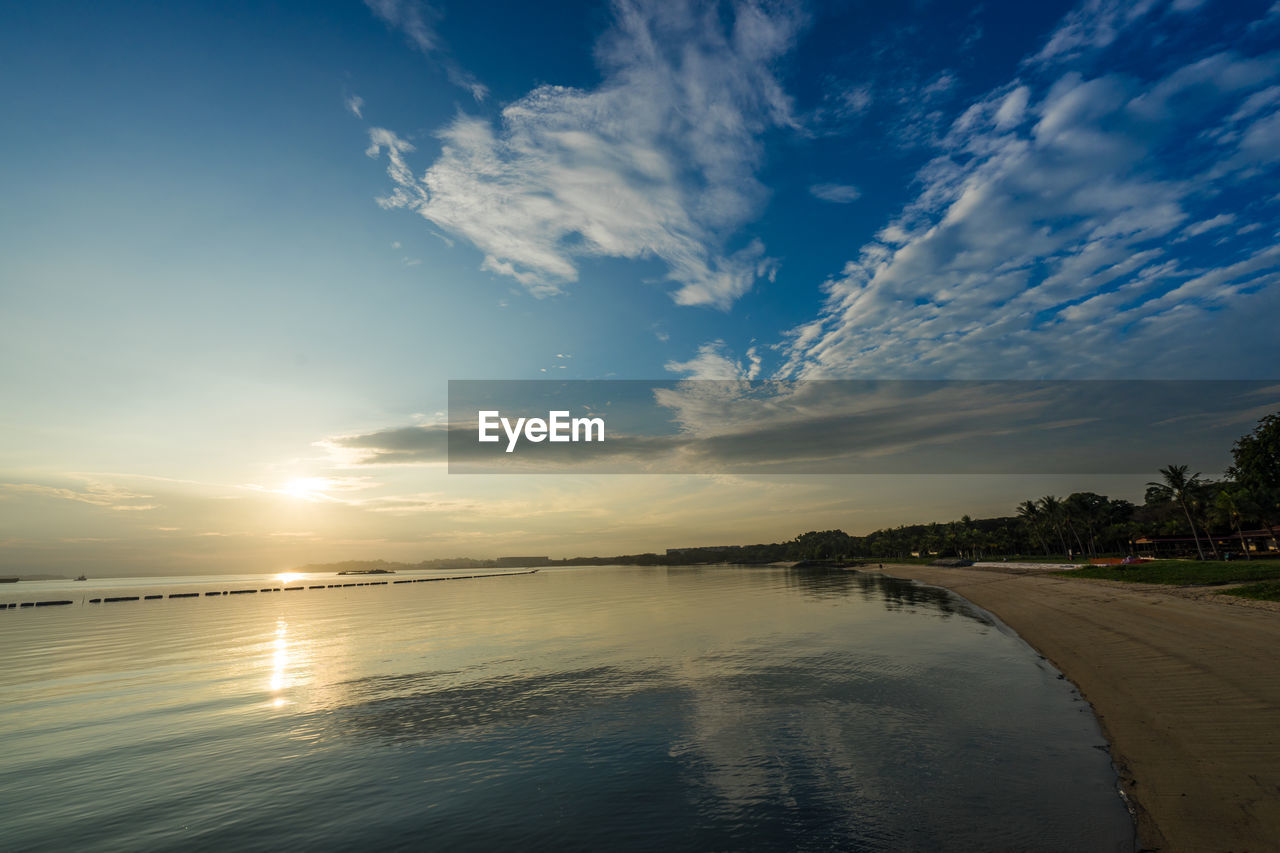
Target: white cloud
[1219, 221]
[1093, 24]
[854, 99]
[464, 79]
[95, 493]
[658, 161]
[713, 361]
[1261, 141]
[1204, 84]
[1039, 243]
[1012, 108]
[837, 193]
[411, 18]
[355, 106]
[1256, 102]
[842, 103]
[942, 83]
[407, 192]
[416, 19]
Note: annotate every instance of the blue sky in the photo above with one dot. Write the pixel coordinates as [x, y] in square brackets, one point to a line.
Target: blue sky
[235, 234]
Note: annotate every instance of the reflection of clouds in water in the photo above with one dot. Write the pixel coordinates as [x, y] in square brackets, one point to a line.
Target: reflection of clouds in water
[893, 593]
[777, 744]
[851, 753]
[427, 705]
[845, 750]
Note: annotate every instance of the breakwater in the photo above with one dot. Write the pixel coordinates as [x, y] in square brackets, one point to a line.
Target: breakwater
[113, 599]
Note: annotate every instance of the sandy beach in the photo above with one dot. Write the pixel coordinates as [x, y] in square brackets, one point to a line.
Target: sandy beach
[1186, 686]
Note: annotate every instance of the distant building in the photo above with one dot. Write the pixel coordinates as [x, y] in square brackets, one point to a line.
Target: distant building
[1255, 541]
[508, 562]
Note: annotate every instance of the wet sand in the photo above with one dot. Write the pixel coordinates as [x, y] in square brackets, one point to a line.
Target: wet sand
[1186, 686]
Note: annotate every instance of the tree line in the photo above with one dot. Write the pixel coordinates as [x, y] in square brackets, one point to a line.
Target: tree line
[1179, 504]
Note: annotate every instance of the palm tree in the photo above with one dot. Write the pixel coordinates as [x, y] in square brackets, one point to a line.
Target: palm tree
[1227, 507]
[1030, 514]
[1090, 511]
[968, 538]
[1070, 514]
[1051, 509]
[1181, 488]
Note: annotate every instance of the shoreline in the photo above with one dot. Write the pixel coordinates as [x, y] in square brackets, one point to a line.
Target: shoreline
[1186, 690]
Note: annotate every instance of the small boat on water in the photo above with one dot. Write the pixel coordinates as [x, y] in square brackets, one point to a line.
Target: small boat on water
[82, 578]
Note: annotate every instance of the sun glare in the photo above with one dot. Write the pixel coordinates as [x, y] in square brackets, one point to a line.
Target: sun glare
[308, 488]
[279, 664]
[288, 577]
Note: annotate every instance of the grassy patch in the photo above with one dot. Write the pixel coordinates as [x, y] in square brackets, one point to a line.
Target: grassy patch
[1015, 558]
[1266, 591]
[1056, 559]
[1183, 572]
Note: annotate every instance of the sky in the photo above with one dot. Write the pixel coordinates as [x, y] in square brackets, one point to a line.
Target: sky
[241, 242]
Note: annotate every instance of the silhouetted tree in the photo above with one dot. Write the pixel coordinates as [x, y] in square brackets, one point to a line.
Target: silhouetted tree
[1181, 488]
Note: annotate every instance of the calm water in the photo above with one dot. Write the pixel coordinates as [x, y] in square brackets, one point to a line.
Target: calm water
[613, 708]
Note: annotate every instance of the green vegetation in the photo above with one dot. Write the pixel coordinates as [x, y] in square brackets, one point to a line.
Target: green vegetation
[1182, 572]
[1266, 591]
[1183, 489]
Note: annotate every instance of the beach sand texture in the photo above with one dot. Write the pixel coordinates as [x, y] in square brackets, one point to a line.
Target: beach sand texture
[1185, 685]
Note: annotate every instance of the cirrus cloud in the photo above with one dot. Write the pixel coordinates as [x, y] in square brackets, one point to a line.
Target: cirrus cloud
[1062, 229]
[658, 161]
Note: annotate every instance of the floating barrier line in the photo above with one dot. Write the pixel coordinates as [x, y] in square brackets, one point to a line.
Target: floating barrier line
[12, 605]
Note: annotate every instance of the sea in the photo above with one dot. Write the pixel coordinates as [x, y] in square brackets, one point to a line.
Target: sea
[616, 708]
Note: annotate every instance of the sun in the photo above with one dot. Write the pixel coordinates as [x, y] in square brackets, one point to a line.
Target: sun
[308, 488]
[288, 577]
